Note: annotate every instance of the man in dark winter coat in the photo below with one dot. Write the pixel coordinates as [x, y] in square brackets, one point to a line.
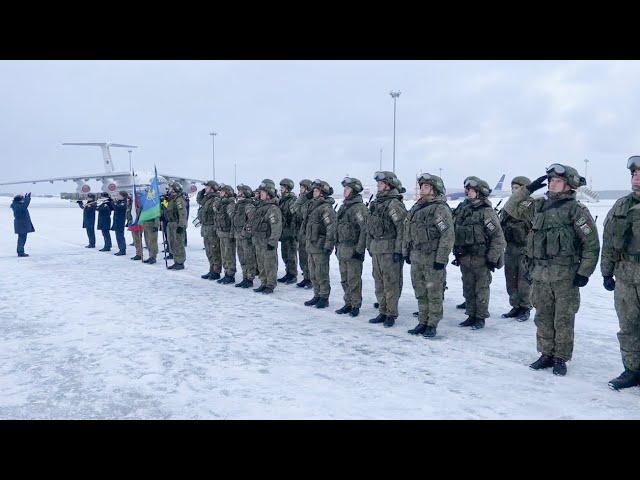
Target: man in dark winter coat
[22, 220]
[89, 218]
[104, 221]
[119, 221]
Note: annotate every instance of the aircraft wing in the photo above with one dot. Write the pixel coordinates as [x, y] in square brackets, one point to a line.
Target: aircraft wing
[95, 176]
[183, 179]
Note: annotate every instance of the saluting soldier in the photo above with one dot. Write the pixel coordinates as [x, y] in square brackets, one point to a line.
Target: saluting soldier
[89, 218]
[427, 241]
[563, 247]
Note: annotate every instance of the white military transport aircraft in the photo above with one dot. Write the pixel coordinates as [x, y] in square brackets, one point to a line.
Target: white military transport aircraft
[113, 181]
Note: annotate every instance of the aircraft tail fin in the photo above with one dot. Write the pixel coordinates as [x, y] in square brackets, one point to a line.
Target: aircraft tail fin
[498, 187]
[106, 153]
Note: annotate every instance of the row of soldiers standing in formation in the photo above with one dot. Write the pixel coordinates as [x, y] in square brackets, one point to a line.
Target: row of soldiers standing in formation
[549, 246]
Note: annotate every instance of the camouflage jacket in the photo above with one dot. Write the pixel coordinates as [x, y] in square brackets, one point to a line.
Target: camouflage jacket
[385, 223]
[300, 209]
[177, 211]
[621, 240]
[478, 232]
[266, 223]
[243, 210]
[352, 229]
[320, 225]
[288, 216]
[563, 238]
[515, 230]
[223, 210]
[429, 230]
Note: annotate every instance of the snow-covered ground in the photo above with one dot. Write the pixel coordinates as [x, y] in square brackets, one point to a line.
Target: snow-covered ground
[89, 335]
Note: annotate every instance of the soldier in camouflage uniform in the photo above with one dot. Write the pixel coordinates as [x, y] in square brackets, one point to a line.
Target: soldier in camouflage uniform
[176, 225]
[385, 228]
[207, 198]
[621, 258]
[300, 208]
[266, 227]
[223, 212]
[241, 221]
[320, 233]
[427, 241]
[137, 232]
[288, 239]
[478, 248]
[351, 243]
[515, 262]
[563, 247]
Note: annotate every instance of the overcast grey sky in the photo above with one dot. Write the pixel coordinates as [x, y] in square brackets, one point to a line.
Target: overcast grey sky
[310, 119]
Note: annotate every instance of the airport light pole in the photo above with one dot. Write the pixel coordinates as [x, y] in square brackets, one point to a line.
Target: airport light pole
[395, 96]
[586, 168]
[440, 170]
[213, 157]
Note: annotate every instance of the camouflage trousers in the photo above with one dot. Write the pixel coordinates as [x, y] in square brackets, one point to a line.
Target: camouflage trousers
[289, 251]
[319, 273]
[304, 259]
[351, 281]
[556, 303]
[428, 286]
[476, 278]
[228, 252]
[247, 257]
[518, 287]
[627, 301]
[150, 239]
[137, 241]
[176, 243]
[212, 248]
[387, 276]
[267, 262]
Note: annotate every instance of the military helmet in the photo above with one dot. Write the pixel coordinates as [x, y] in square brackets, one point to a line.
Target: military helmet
[353, 183]
[91, 196]
[245, 190]
[633, 163]
[433, 180]
[268, 186]
[305, 182]
[389, 178]
[521, 180]
[324, 187]
[288, 183]
[18, 198]
[478, 185]
[228, 189]
[213, 184]
[570, 174]
[177, 187]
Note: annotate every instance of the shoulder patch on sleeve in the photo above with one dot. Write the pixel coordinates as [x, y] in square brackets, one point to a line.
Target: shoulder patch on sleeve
[490, 225]
[359, 217]
[581, 221]
[441, 224]
[586, 229]
[526, 203]
[326, 218]
[272, 217]
[394, 214]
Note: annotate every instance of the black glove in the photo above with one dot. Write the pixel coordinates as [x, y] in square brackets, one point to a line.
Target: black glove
[407, 259]
[609, 283]
[455, 262]
[438, 266]
[270, 247]
[397, 257]
[179, 230]
[79, 202]
[580, 281]
[491, 266]
[358, 256]
[537, 184]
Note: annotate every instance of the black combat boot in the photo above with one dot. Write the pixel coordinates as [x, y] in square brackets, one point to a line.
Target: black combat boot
[418, 329]
[545, 361]
[260, 289]
[284, 278]
[345, 309]
[267, 290]
[430, 332]
[355, 311]
[462, 306]
[241, 284]
[248, 283]
[177, 266]
[292, 279]
[103, 249]
[23, 254]
[309, 284]
[379, 319]
[302, 284]
[313, 301]
[524, 314]
[150, 261]
[119, 254]
[416, 314]
[626, 379]
[137, 257]
[468, 322]
[389, 321]
[511, 313]
[206, 276]
[559, 367]
[322, 302]
[228, 279]
[214, 276]
[478, 324]
[90, 246]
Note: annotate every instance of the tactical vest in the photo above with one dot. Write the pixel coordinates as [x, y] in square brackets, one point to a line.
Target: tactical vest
[471, 236]
[515, 231]
[173, 212]
[206, 213]
[379, 223]
[239, 219]
[223, 219]
[288, 219]
[423, 233]
[348, 231]
[553, 239]
[260, 225]
[318, 217]
[625, 229]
